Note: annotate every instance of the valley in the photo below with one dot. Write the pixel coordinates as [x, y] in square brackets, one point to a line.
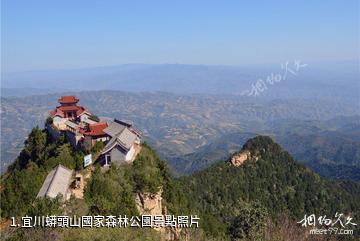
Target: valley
[193, 131]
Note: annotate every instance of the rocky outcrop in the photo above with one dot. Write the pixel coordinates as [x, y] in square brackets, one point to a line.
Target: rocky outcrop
[149, 203]
[239, 158]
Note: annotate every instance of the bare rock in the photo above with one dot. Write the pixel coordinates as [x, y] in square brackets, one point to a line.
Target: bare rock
[149, 203]
[239, 158]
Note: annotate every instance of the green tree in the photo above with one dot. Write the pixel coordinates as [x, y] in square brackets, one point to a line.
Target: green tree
[146, 173]
[250, 223]
[34, 149]
[110, 192]
[45, 206]
[99, 145]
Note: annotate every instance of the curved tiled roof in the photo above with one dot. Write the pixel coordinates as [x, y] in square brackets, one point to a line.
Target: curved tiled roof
[60, 110]
[96, 129]
[68, 99]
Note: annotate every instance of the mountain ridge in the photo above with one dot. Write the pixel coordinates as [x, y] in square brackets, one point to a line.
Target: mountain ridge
[269, 183]
[274, 179]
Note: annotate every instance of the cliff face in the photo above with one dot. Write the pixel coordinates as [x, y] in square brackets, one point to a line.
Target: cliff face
[149, 204]
[239, 158]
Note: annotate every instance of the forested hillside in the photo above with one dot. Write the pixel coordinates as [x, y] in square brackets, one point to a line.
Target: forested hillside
[252, 201]
[270, 187]
[108, 192]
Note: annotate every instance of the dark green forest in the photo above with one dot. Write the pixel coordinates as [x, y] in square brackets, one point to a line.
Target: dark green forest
[270, 187]
[21, 183]
[248, 202]
[107, 192]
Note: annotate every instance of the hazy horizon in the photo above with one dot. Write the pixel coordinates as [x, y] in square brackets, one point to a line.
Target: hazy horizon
[72, 35]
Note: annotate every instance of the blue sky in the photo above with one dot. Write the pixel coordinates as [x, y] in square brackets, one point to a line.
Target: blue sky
[40, 35]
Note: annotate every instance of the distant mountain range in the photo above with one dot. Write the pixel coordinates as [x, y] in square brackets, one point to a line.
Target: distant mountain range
[320, 80]
[194, 131]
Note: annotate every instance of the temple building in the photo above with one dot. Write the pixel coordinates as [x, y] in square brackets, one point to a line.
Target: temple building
[123, 144]
[94, 133]
[68, 110]
[83, 130]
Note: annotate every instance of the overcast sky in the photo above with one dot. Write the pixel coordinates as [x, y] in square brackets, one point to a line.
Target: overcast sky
[72, 34]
